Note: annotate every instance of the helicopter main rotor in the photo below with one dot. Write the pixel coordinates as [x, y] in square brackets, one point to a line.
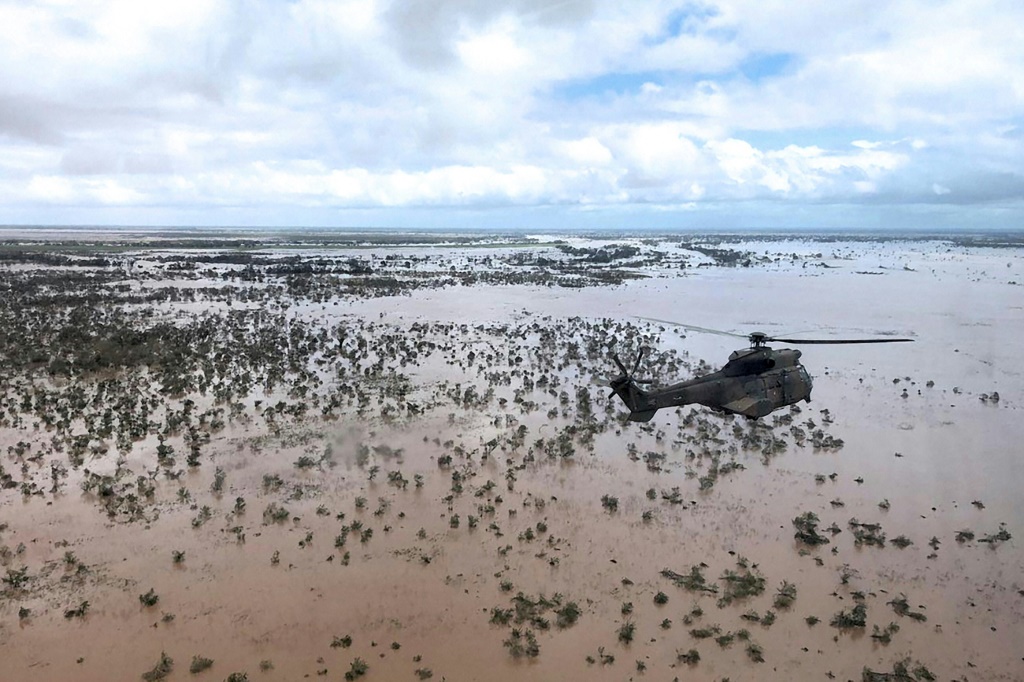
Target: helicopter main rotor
[759, 339]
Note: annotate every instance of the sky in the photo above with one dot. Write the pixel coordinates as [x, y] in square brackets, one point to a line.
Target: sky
[513, 113]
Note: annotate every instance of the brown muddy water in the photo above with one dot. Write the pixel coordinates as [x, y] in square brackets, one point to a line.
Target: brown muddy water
[507, 523]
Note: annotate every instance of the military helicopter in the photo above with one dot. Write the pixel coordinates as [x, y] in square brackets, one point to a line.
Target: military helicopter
[755, 382]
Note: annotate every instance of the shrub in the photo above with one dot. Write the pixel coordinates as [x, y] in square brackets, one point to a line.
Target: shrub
[356, 670]
[150, 598]
[199, 664]
[161, 670]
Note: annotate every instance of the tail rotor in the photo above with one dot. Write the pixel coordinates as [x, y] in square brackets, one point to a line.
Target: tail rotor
[626, 386]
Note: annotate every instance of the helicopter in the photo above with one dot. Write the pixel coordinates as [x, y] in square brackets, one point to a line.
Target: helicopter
[755, 381]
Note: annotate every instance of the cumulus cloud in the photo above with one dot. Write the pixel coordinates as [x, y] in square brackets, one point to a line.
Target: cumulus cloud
[367, 104]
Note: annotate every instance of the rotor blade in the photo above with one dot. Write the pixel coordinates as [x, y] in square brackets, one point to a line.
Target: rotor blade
[619, 363]
[772, 339]
[692, 327]
[636, 365]
[802, 331]
[606, 383]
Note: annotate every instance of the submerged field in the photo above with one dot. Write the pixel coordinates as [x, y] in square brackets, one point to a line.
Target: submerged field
[386, 456]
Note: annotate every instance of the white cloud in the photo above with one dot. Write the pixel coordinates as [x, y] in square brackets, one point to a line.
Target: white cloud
[104, 191]
[656, 149]
[50, 188]
[461, 103]
[740, 161]
[493, 52]
[585, 152]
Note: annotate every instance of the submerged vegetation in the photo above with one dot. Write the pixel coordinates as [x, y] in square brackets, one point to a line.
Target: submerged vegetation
[741, 584]
[248, 393]
[807, 529]
[851, 618]
[161, 670]
[902, 671]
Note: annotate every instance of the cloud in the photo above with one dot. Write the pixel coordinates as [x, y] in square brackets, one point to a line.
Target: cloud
[521, 103]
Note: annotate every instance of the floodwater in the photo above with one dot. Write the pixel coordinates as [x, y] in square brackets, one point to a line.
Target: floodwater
[418, 595]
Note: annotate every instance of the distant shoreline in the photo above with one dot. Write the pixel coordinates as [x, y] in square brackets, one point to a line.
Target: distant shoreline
[431, 235]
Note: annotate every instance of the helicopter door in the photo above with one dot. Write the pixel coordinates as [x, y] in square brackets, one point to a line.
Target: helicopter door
[773, 389]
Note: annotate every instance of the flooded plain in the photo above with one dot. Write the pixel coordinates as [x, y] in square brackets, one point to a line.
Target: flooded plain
[389, 457]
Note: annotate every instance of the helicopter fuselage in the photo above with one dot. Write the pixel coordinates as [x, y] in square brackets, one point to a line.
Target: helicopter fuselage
[755, 382]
